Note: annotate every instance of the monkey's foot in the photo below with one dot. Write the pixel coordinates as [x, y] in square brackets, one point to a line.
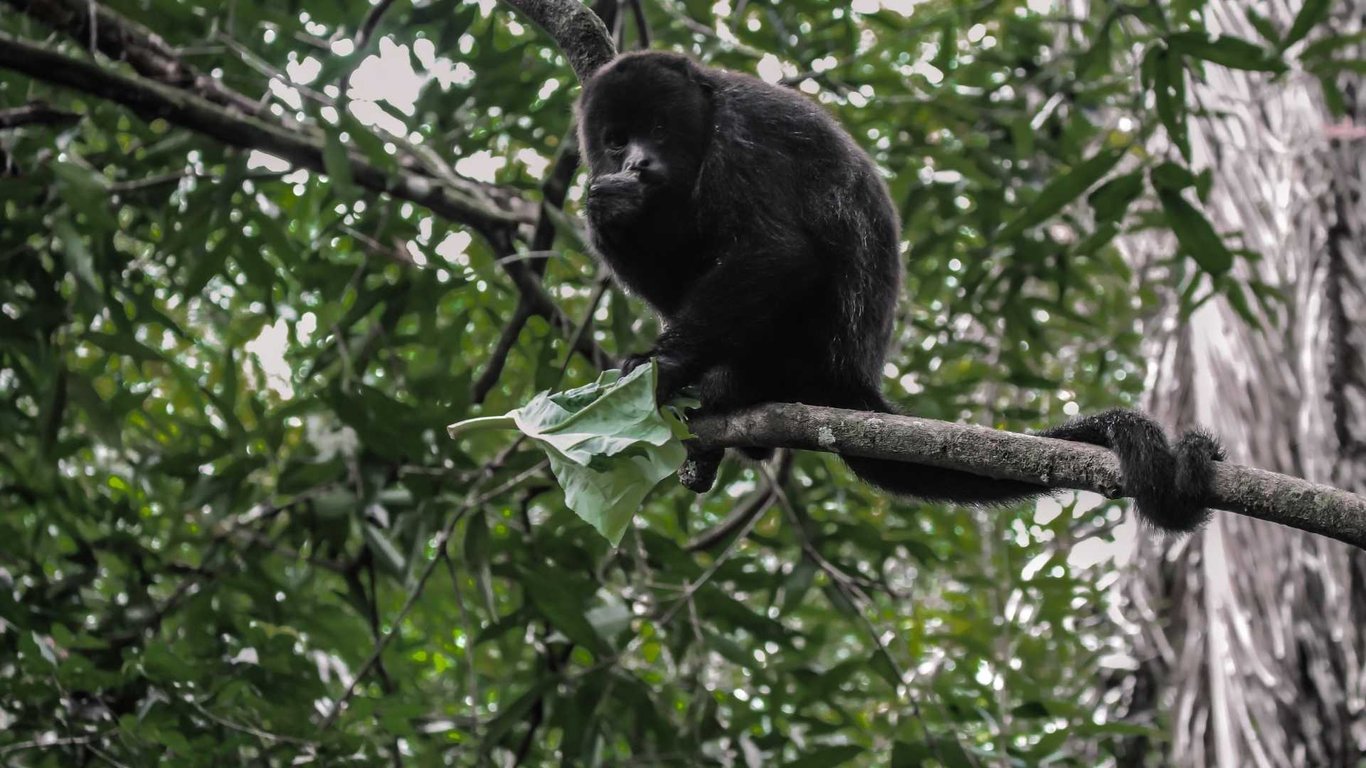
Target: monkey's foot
[698, 473]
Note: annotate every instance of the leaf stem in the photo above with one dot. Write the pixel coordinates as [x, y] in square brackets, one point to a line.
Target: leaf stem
[483, 422]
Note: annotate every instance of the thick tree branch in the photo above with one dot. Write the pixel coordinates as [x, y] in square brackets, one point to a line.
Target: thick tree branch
[554, 189]
[98, 28]
[463, 204]
[490, 210]
[577, 31]
[1047, 462]
[153, 99]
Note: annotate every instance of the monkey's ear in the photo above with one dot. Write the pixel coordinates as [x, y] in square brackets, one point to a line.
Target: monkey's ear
[704, 82]
[696, 73]
[701, 78]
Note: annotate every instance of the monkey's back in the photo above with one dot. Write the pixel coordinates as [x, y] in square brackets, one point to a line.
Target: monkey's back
[784, 169]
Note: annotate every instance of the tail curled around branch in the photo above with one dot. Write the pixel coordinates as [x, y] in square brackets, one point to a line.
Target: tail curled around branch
[1170, 485]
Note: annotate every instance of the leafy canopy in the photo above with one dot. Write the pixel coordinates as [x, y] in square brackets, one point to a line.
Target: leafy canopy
[229, 500]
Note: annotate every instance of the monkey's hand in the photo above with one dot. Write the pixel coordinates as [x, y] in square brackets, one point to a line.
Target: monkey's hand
[615, 198]
[672, 373]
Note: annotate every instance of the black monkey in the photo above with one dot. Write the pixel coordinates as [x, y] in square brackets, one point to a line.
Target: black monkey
[768, 244]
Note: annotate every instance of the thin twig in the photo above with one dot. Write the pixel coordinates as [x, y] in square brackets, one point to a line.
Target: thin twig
[371, 23]
[175, 178]
[247, 729]
[507, 339]
[36, 113]
[755, 506]
[66, 741]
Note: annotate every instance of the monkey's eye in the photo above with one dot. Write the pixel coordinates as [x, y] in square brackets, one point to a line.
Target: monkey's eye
[614, 138]
[659, 132]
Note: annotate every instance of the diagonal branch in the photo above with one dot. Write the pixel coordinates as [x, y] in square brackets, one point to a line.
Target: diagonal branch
[153, 99]
[507, 339]
[1046, 462]
[98, 28]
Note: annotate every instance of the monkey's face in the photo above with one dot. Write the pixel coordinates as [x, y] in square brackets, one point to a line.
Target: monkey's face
[645, 122]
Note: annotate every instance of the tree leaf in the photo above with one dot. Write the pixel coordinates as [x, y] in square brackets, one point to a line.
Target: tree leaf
[1172, 177]
[1263, 26]
[561, 606]
[1169, 90]
[384, 551]
[124, 346]
[1063, 190]
[1112, 199]
[1325, 46]
[1311, 13]
[337, 161]
[1196, 235]
[1332, 96]
[1226, 50]
[608, 443]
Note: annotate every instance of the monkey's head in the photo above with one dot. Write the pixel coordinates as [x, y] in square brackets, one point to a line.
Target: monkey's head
[644, 126]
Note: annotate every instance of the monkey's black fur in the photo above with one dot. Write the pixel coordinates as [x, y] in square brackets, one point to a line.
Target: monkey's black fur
[767, 242]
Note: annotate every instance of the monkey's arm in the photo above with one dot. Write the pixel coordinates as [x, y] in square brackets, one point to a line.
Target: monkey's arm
[731, 308]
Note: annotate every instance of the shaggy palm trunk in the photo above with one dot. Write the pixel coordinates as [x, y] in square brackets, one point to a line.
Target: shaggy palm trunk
[1251, 638]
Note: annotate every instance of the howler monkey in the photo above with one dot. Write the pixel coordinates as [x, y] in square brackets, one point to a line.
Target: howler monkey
[766, 241]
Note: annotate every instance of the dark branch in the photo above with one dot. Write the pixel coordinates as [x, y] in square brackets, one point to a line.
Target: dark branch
[642, 25]
[605, 13]
[1043, 461]
[579, 33]
[553, 191]
[123, 39]
[371, 23]
[498, 359]
[493, 216]
[527, 280]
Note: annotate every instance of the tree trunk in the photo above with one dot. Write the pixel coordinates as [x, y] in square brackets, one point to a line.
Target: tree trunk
[1250, 636]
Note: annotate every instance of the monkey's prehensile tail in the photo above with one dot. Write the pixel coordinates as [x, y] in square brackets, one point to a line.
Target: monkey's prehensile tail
[1148, 463]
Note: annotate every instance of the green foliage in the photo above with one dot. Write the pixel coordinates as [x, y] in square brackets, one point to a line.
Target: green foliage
[224, 385]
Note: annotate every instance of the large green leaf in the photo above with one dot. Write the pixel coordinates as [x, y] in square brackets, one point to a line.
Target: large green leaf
[608, 443]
